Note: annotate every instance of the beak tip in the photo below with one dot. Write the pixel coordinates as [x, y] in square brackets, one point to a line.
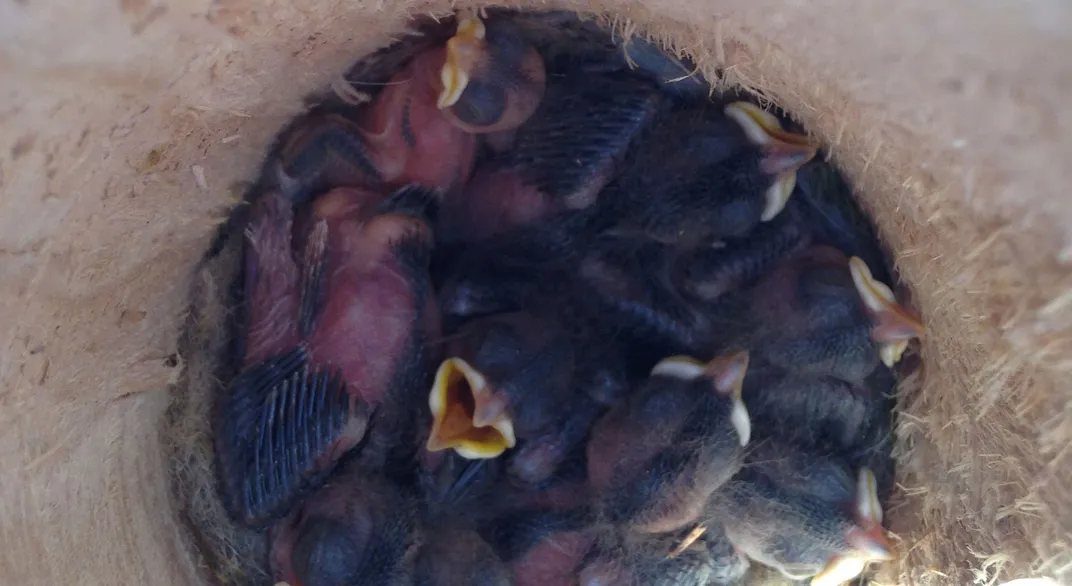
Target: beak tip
[751, 121]
[838, 571]
[454, 80]
[681, 367]
[741, 422]
[777, 196]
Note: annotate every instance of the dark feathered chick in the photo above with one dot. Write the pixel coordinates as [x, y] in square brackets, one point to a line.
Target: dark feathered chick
[559, 159]
[458, 495]
[513, 270]
[508, 376]
[829, 415]
[654, 460]
[629, 283]
[401, 137]
[529, 378]
[570, 45]
[683, 299]
[358, 529]
[703, 176]
[543, 547]
[818, 410]
[457, 492]
[693, 557]
[452, 556]
[710, 273]
[803, 513]
[822, 313]
[333, 343]
[493, 79]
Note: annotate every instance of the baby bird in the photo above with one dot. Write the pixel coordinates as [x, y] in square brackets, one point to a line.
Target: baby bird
[684, 299]
[559, 160]
[334, 342]
[701, 177]
[687, 558]
[654, 460]
[541, 547]
[507, 376]
[453, 556]
[629, 282]
[823, 314]
[456, 492]
[400, 138]
[820, 411]
[492, 77]
[709, 274]
[513, 270]
[358, 529]
[803, 514]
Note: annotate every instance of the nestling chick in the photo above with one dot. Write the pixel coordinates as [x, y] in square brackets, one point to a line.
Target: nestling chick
[704, 176]
[538, 458]
[358, 529]
[817, 410]
[710, 273]
[573, 45]
[513, 270]
[559, 160]
[506, 374]
[687, 300]
[493, 78]
[803, 514]
[543, 548]
[559, 380]
[687, 558]
[823, 314]
[453, 556]
[398, 139]
[334, 343]
[656, 459]
[629, 282]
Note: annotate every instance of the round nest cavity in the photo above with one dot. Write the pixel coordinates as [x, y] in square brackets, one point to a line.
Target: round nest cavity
[236, 555]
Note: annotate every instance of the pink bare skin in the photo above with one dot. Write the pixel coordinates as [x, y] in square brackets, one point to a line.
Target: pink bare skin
[363, 334]
[335, 332]
[367, 313]
[410, 139]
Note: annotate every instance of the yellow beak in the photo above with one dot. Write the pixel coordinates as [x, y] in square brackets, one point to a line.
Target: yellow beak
[727, 371]
[898, 324]
[763, 129]
[456, 392]
[461, 50]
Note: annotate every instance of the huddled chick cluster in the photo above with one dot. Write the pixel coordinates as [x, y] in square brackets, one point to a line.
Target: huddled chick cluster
[534, 315]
